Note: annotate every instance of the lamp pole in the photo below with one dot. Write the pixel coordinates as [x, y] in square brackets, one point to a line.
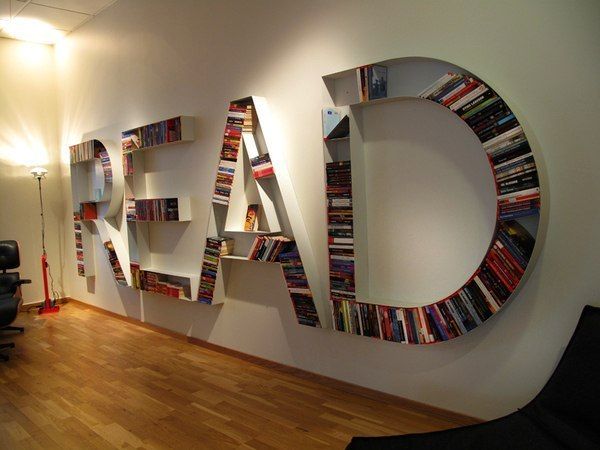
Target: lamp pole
[47, 307]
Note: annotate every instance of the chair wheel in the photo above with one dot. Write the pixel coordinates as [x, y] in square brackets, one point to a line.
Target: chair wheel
[3, 357]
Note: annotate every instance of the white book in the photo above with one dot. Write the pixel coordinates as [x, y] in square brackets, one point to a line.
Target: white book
[514, 196]
[512, 161]
[401, 320]
[342, 258]
[490, 145]
[428, 337]
[467, 98]
[436, 84]
[491, 300]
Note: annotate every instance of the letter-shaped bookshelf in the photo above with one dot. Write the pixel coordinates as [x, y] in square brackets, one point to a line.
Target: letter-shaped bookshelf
[141, 213]
[515, 174]
[96, 197]
[252, 170]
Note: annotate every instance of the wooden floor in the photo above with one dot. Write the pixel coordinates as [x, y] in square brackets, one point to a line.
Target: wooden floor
[83, 379]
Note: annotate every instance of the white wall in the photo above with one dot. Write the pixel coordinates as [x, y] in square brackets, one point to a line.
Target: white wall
[28, 138]
[139, 61]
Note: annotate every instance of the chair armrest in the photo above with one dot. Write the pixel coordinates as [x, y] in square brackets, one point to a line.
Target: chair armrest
[21, 281]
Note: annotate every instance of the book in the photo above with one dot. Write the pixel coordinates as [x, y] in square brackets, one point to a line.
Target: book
[372, 82]
[377, 79]
[251, 222]
[336, 123]
[262, 166]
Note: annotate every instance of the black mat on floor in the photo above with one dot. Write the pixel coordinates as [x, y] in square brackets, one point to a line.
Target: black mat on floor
[565, 414]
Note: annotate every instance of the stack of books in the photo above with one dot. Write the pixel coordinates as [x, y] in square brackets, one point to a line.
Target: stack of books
[127, 163]
[502, 137]
[136, 275]
[151, 135]
[298, 287]
[114, 263]
[372, 82]
[130, 209]
[249, 124]
[340, 230]
[83, 152]
[215, 248]
[262, 166]
[238, 119]
[482, 296]
[79, 250]
[157, 210]
[161, 284]
[106, 166]
[268, 248]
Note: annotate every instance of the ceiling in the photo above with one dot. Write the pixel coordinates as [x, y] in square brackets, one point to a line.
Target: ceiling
[64, 15]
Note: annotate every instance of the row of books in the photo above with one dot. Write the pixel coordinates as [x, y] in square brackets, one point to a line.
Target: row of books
[151, 135]
[215, 248]
[87, 211]
[262, 166]
[163, 284]
[372, 82]
[240, 118]
[130, 215]
[79, 249]
[268, 248]
[84, 151]
[127, 163]
[481, 297]
[298, 287]
[340, 230]
[157, 210]
[113, 259]
[496, 126]
[106, 165]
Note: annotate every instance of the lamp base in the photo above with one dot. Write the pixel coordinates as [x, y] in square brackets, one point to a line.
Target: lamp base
[48, 309]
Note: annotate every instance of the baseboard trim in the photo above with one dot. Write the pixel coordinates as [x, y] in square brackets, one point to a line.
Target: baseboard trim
[459, 419]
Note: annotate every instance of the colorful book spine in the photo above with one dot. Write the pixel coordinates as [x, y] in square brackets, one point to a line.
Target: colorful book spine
[114, 263]
[155, 210]
[79, 250]
[502, 137]
[340, 225]
[239, 118]
[84, 151]
[298, 287]
[262, 166]
[128, 164]
[152, 135]
[215, 248]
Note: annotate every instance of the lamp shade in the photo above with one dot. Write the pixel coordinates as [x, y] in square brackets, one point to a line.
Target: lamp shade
[38, 172]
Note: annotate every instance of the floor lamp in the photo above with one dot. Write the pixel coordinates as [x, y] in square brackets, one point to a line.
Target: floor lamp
[47, 307]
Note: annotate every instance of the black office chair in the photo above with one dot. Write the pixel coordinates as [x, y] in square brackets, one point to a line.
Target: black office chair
[10, 292]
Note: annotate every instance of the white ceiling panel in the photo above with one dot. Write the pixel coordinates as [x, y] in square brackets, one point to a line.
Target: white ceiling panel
[82, 6]
[17, 6]
[4, 9]
[58, 18]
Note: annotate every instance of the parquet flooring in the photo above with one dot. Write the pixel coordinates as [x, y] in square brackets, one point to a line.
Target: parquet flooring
[85, 380]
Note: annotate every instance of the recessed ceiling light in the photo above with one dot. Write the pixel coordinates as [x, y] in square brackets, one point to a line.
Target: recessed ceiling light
[31, 30]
